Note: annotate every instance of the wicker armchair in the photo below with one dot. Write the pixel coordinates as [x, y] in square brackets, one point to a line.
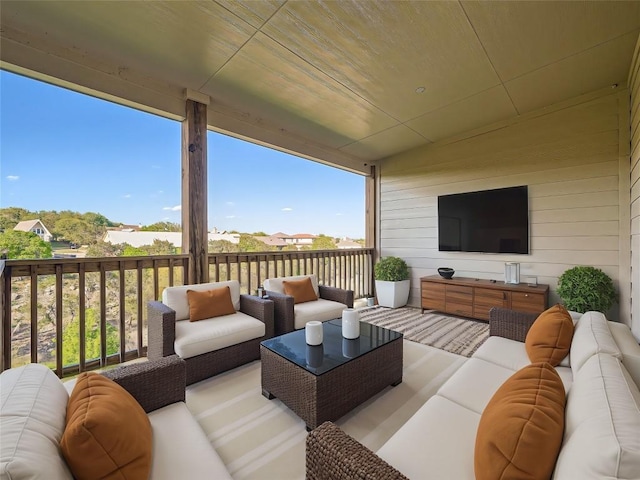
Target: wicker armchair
[162, 335]
[290, 316]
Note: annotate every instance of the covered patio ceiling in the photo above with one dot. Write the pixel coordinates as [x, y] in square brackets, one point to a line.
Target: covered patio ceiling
[343, 82]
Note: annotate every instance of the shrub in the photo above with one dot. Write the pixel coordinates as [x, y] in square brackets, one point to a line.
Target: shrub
[583, 289]
[391, 269]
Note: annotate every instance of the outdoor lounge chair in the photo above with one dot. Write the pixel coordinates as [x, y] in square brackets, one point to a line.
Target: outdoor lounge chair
[210, 345]
[289, 315]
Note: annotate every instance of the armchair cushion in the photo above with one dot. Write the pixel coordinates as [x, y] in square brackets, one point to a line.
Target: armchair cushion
[108, 434]
[209, 303]
[277, 284]
[320, 311]
[176, 297]
[204, 336]
[301, 290]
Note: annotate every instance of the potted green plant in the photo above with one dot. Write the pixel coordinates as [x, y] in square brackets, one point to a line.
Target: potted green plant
[392, 282]
[585, 288]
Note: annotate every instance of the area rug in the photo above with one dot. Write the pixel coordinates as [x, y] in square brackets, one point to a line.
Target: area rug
[262, 439]
[453, 334]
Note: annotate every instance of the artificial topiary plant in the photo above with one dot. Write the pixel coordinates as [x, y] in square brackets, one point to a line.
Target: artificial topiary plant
[583, 289]
[391, 269]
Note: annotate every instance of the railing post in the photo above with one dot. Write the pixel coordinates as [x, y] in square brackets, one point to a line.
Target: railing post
[194, 190]
[5, 325]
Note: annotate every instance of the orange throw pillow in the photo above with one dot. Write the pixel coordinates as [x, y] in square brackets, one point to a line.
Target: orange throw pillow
[301, 290]
[549, 338]
[209, 303]
[108, 434]
[520, 431]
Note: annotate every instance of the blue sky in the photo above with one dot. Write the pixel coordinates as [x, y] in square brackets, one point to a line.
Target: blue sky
[61, 150]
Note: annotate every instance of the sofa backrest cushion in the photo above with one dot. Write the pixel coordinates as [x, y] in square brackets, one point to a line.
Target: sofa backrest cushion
[276, 284]
[549, 338]
[108, 434]
[209, 303]
[602, 436]
[32, 419]
[176, 297]
[591, 335]
[520, 429]
[301, 290]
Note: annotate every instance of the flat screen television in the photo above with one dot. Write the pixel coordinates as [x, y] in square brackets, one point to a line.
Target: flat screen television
[489, 221]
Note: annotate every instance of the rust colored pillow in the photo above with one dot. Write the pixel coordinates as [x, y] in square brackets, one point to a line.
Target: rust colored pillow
[549, 338]
[301, 290]
[108, 434]
[520, 431]
[209, 303]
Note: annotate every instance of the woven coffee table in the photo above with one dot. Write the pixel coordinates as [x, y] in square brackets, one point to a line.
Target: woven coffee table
[324, 382]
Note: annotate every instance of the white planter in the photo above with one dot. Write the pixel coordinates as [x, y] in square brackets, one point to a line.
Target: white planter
[392, 294]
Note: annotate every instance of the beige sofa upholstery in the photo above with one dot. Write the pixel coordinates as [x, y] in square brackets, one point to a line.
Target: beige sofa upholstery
[602, 432]
[291, 316]
[34, 403]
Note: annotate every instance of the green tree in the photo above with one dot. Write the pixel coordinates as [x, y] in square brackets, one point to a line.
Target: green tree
[162, 227]
[160, 247]
[222, 246]
[71, 338]
[248, 243]
[322, 242]
[130, 251]
[9, 217]
[24, 245]
[105, 249]
[75, 230]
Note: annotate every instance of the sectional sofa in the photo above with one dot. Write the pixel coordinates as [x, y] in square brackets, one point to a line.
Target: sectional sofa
[599, 434]
[35, 414]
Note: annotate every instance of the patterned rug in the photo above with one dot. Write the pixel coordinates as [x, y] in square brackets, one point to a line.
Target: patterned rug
[453, 334]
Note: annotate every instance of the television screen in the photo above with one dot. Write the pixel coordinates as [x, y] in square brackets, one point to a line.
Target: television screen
[491, 221]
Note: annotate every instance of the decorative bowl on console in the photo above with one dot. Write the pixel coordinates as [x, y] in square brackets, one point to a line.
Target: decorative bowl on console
[446, 272]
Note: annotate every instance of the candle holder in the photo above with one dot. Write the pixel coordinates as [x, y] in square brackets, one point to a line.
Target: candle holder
[350, 323]
[512, 273]
[313, 333]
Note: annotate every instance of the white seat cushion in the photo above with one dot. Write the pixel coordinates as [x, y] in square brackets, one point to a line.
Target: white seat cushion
[181, 448]
[32, 420]
[438, 442]
[629, 348]
[590, 336]
[602, 423]
[474, 384]
[507, 353]
[320, 310]
[176, 297]
[203, 336]
[275, 284]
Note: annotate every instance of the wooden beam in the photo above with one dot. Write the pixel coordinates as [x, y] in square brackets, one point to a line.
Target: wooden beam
[371, 199]
[194, 190]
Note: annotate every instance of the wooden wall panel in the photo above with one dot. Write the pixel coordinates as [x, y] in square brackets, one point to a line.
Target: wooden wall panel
[569, 158]
[634, 177]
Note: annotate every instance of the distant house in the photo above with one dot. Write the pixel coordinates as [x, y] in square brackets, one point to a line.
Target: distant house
[272, 241]
[298, 239]
[345, 243]
[137, 239]
[34, 226]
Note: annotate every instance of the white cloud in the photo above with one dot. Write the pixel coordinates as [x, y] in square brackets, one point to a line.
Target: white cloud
[177, 208]
[287, 209]
[12, 178]
[230, 216]
[230, 204]
[338, 214]
[126, 195]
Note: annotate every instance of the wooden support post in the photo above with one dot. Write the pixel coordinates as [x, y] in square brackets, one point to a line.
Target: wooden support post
[194, 191]
[371, 229]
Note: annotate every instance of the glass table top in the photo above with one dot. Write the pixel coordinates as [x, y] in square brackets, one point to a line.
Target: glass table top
[334, 351]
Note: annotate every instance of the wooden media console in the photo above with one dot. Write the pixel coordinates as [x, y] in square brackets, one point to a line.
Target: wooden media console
[470, 297]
